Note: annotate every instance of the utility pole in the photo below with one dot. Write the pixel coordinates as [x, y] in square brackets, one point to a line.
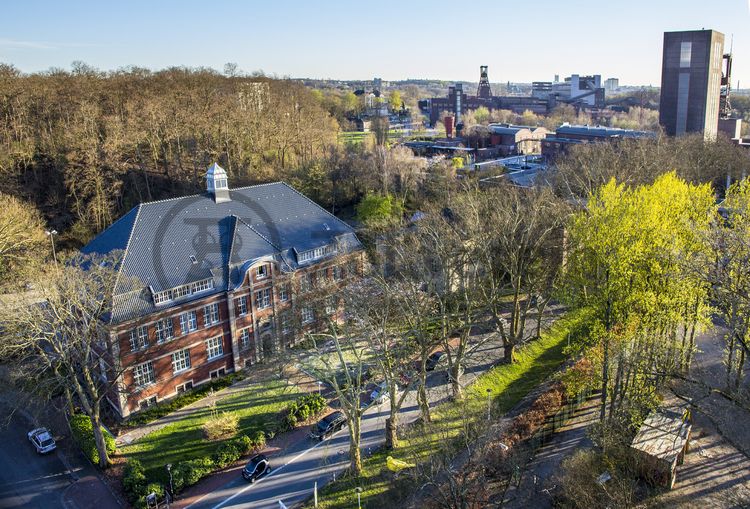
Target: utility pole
[51, 234]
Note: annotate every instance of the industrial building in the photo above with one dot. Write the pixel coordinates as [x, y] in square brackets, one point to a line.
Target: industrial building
[580, 91]
[692, 81]
[567, 135]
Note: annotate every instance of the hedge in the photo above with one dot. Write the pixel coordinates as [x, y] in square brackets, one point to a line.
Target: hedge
[83, 435]
[187, 473]
[304, 408]
[166, 408]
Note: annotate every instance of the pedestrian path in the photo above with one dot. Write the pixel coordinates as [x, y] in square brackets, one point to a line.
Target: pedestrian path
[536, 487]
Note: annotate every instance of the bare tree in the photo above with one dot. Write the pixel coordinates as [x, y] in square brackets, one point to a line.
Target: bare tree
[61, 343]
[347, 372]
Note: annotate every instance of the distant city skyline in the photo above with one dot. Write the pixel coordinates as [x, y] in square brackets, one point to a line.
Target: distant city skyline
[391, 40]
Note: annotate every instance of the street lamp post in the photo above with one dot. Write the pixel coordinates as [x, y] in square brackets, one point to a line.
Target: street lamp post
[51, 234]
[171, 488]
[489, 404]
[359, 495]
[319, 384]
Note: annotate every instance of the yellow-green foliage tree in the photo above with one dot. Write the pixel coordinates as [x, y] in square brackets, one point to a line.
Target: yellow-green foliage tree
[635, 258]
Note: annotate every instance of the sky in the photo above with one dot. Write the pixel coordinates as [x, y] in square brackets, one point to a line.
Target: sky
[520, 41]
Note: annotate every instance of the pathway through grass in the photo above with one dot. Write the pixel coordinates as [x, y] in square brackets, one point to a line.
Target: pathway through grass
[257, 406]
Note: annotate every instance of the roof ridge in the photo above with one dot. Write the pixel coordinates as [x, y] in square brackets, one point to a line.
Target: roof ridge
[277, 248]
[206, 194]
[127, 244]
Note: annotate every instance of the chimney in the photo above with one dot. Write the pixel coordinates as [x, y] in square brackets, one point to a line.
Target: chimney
[216, 183]
[448, 122]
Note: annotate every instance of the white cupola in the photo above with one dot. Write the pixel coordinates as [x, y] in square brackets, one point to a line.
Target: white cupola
[217, 184]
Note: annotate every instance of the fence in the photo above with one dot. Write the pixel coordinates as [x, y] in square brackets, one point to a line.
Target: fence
[557, 420]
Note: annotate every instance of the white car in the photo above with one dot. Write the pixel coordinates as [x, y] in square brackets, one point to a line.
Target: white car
[42, 440]
[380, 394]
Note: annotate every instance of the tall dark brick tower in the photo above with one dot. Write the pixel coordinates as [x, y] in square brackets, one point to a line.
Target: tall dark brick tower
[691, 82]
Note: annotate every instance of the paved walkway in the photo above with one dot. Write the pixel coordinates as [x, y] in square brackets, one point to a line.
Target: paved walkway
[536, 487]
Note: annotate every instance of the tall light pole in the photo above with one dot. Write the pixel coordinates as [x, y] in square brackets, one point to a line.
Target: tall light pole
[171, 489]
[489, 404]
[359, 495]
[51, 234]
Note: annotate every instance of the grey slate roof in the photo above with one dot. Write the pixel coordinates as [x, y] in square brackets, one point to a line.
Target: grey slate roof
[601, 131]
[158, 239]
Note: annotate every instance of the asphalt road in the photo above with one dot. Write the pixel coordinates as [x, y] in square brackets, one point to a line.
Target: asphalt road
[297, 468]
[28, 479]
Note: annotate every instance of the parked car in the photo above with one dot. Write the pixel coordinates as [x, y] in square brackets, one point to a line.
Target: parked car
[328, 425]
[380, 394]
[257, 467]
[433, 360]
[42, 440]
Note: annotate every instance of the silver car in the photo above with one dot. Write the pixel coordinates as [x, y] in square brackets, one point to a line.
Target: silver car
[42, 440]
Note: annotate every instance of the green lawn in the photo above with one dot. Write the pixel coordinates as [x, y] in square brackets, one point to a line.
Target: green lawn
[508, 385]
[257, 405]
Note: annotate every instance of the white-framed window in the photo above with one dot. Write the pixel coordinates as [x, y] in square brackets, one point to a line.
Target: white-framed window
[139, 338]
[263, 298]
[242, 305]
[188, 322]
[164, 330]
[201, 286]
[162, 297]
[214, 347]
[181, 291]
[185, 387]
[286, 324]
[143, 374]
[306, 282]
[284, 293]
[322, 277]
[338, 273]
[245, 337]
[218, 373]
[211, 314]
[314, 254]
[180, 361]
[145, 403]
[307, 314]
[330, 305]
[262, 272]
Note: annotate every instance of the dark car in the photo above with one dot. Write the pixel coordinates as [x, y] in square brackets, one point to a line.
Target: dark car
[328, 425]
[433, 360]
[257, 467]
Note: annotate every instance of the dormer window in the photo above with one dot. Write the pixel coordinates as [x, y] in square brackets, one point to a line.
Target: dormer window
[314, 254]
[217, 184]
[262, 272]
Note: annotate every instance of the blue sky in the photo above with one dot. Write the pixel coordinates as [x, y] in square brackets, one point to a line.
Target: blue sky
[519, 40]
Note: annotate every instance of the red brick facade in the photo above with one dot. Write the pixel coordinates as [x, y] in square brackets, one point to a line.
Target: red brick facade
[265, 314]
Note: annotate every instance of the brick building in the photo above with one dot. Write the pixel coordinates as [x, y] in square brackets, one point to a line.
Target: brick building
[214, 282]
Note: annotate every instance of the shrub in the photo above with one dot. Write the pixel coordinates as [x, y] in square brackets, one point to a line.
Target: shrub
[232, 450]
[257, 441]
[304, 408]
[134, 480]
[221, 425]
[187, 473]
[83, 435]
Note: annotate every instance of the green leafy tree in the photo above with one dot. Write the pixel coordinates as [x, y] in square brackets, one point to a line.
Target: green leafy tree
[378, 211]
